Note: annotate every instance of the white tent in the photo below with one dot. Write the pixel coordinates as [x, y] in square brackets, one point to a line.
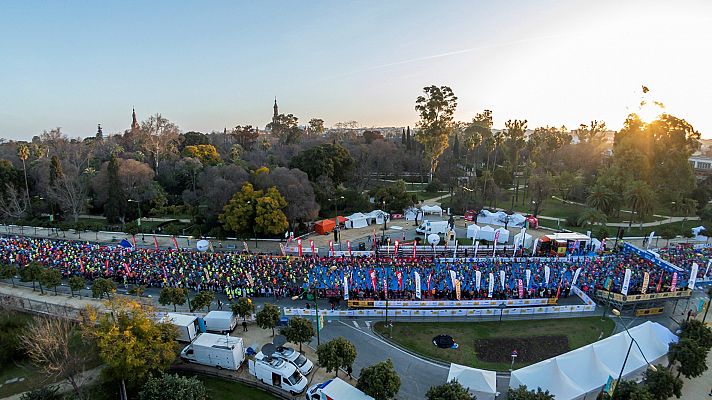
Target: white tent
[472, 231]
[500, 218]
[583, 372]
[481, 383]
[486, 233]
[376, 217]
[410, 214]
[503, 235]
[523, 236]
[357, 220]
[436, 209]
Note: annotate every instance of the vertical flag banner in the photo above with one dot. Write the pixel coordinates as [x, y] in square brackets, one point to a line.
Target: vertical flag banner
[430, 278]
[133, 239]
[673, 284]
[453, 278]
[650, 239]
[348, 246]
[373, 279]
[536, 243]
[646, 282]
[311, 244]
[457, 289]
[331, 248]
[244, 245]
[346, 287]
[528, 274]
[693, 276]
[660, 282]
[547, 273]
[708, 268]
[478, 278]
[501, 278]
[415, 247]
[395, 248]
[454, 253]
[521, 288]
[477, 248]
[491, 284]
[155, 241]
[576, 275]
[175, 242]
[385, 288]
[418, 293]
[399, 275]
[494, 244]
[299, 247]
[626, 282]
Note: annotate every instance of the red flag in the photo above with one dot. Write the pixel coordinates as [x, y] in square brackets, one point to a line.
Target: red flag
[128, 270]
[133, 239]
[385, 288]
[399, 275]
[348, 245]
[558, 291]
[175, 242]
[311, 243]
[373, 279]
[521, 288]
[415, 246]
[660, 281]
[395, 248]
[106, 264]
[299, 246]
[81, 266]
[155, 241]
[331, 247]
[430, 276]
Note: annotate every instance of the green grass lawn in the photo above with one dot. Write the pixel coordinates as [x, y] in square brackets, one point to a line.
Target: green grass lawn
[222, 389]
[635, 230]
[423, 196]
[417, 337]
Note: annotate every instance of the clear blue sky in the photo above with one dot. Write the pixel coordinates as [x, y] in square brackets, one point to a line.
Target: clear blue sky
[206, 65]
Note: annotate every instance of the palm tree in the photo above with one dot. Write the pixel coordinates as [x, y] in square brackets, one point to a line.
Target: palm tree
[23, 153]
[640, 198]
[592, 217]
[687, 206]
[600, 198]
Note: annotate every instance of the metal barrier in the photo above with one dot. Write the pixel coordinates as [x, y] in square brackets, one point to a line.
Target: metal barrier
[617, 297]
[649, 311]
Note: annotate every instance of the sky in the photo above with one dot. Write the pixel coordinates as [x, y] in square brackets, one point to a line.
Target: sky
[209, 65]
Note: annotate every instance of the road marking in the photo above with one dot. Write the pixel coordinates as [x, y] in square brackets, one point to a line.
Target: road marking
[368, 324]
[355, 324]
[394, 347]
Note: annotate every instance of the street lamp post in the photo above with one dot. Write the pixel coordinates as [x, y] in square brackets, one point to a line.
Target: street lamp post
[501, 306]
[138, 205]
[311, 295]
[336, 219]
[617, 313]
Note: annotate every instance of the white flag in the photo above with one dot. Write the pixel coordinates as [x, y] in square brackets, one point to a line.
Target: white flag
[693, 276]
[528, 273]
[626, 282]
[547, 272]
[418, 294]
[536, 243]
[478, 278]
[576, 275]
[501, 278]
[454, 253]
[477, 247]
[650, 239]
[491, 284]
[346, 287]
[453, 278]
[708, 268]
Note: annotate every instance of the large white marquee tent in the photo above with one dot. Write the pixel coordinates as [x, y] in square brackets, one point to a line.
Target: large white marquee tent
[479, 382]
[580, 374]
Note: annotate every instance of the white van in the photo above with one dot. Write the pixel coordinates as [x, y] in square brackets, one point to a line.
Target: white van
[335, 389]
[187, 325]
[428, 227]
[279, 373]
[219, 351]
[220, 321]
[302, 363]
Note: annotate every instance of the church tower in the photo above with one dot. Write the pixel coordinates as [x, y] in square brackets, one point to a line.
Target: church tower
[276, 110]
[134, 122]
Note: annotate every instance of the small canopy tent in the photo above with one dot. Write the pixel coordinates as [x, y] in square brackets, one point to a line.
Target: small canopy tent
[486, 233]
[376, 217]
[357, 220]
[410, 214]
[324, 226]
[479, 382]
[523, 236]
[472, 231]
[436, 209]
[503, 235]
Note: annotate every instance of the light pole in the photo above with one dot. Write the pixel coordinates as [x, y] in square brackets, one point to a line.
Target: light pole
[138, 221]
[311, 295]
[336, 219]
[617, 313]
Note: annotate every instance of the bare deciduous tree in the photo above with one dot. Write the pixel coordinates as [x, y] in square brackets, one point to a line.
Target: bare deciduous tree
[51, 344]
[13, 204]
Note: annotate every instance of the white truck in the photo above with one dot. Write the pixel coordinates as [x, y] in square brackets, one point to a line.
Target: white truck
[335, 389]
[220, 321]
[428, 227]
[187, 325]
[213, 350]
[302, 363]
[279, 373]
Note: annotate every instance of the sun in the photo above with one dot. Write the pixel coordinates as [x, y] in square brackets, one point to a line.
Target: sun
[649, 109]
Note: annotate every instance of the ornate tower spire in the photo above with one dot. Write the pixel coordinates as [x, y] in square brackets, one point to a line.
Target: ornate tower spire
[134, 121]
[276, 110]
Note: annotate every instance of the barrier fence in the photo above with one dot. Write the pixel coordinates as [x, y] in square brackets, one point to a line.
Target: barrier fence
[678, 294]
[38, 307]
[472, 312]
[449, 303]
